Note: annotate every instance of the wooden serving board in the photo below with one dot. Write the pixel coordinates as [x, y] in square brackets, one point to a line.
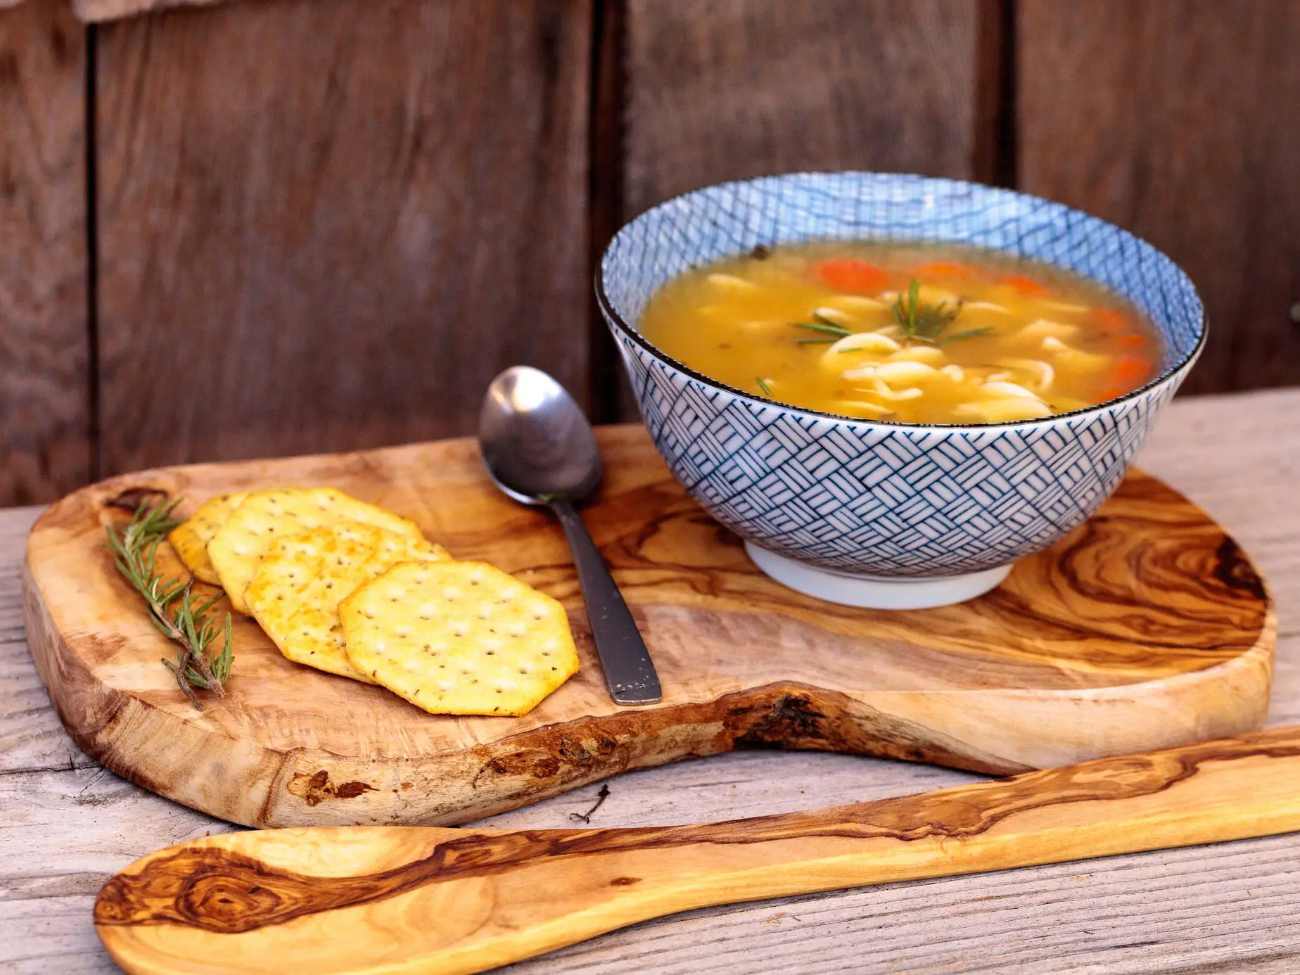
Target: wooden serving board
[1147, 627]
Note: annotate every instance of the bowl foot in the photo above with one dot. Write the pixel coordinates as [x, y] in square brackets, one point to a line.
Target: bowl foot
[875, 592]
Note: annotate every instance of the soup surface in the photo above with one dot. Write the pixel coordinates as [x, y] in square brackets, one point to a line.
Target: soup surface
[907, 333]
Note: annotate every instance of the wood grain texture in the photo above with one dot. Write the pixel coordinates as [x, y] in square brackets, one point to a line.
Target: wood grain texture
[734, 89]
[97, 10]
[100, 10]
[409, 900]
[1223, 908]
[1200, 162]
[45, 394]
[322, 230]
[605, 212]
[1145, 627]
[31, 737]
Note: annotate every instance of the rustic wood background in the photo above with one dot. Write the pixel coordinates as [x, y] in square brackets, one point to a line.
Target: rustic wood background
[299, 225]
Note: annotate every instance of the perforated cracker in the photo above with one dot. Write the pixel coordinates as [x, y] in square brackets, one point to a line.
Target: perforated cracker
[301, 580]
[459, 638]
[190, 538]
[265, 516]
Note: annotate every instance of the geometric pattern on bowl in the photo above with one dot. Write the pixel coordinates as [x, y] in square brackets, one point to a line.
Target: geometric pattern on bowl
[880, 498]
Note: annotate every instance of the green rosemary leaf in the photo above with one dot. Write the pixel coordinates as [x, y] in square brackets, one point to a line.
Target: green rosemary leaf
[225, 661]
[830, 340]
[906, 314]
[167, 595]
[204, 607]
[922, 323]
[826, 328]
[762, 384]
[171, 602]
[970, 333]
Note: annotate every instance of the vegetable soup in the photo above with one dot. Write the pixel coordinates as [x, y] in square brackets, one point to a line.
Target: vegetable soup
[907, 333]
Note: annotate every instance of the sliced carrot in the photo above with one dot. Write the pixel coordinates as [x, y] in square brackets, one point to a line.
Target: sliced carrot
[1129, 373]
[1130, 370]
[1025, 285]
[850, 274]
[1130, 340]
[945, 269]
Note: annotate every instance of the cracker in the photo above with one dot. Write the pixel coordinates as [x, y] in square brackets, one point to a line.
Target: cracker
[266, 516]
[190, 538]
[459, 638]
[301, 580]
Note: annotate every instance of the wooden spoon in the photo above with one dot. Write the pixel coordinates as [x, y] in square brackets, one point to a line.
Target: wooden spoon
[413, 899]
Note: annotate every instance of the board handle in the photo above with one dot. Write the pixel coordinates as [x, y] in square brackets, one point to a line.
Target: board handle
[411, 899]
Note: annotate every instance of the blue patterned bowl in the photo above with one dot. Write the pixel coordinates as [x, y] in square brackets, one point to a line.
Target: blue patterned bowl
[884, 514]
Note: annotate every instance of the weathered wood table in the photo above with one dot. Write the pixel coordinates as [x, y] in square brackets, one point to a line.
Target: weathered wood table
[66, 824]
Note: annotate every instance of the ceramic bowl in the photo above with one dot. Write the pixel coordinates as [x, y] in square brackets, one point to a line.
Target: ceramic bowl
[884, 514]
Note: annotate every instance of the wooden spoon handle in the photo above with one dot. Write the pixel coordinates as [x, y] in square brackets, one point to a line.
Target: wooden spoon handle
[410, 899]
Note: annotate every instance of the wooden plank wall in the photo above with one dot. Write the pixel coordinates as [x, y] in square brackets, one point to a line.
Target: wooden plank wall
[339, 242]
[321, 224]
[45, 339]
[727, 89]
[1181, 121]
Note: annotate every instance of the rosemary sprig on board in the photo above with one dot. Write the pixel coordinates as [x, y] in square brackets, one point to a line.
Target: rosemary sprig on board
[172, 606]
[922, 323]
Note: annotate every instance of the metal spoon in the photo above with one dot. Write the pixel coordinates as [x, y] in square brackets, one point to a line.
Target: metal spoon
[540, 450]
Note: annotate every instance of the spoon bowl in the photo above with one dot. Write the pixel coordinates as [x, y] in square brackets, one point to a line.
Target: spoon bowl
[537, 445]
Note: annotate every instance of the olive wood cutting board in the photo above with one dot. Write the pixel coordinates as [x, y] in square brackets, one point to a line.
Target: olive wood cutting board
[1146, 627]
[402, 899]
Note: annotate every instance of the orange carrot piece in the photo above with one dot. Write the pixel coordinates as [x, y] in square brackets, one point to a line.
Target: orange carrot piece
[850, 274]
[1130, 340]
[1130, 371]
[1025, 285]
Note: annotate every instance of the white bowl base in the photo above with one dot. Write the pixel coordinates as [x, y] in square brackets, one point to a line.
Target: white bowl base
[875, 592]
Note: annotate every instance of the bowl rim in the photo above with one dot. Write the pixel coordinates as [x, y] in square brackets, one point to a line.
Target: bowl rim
[612, 315]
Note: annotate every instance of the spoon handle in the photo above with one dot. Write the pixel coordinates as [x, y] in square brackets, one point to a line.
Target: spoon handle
[629, 672]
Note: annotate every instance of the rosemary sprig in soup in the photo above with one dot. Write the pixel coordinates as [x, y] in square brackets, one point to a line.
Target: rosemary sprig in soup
[922, 322]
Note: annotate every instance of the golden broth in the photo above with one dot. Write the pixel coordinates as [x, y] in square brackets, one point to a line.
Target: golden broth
[904, 333]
